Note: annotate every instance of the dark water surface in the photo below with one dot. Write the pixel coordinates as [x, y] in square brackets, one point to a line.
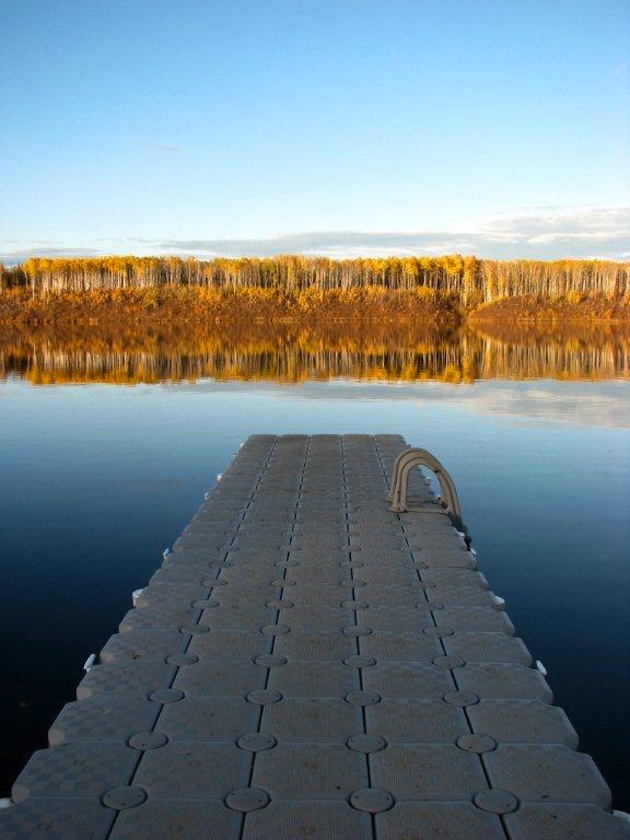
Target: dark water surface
[104, 466]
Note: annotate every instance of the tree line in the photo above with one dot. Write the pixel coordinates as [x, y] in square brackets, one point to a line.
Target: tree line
[471, 280]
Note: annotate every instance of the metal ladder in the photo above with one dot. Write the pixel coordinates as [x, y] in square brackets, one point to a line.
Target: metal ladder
[407, 461]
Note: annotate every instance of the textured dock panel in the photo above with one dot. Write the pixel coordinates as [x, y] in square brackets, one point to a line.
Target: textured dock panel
[558, 822]
[306, 663]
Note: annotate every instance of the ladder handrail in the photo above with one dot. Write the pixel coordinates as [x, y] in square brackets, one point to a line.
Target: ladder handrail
[414, 457]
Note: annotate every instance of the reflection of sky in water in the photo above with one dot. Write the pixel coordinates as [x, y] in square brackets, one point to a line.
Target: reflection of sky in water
[579, 403]
[573, 403]
[98, 479]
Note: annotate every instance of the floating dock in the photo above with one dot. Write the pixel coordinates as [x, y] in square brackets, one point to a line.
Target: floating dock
[308, 663]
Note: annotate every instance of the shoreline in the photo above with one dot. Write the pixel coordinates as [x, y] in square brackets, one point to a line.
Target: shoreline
[172, 305]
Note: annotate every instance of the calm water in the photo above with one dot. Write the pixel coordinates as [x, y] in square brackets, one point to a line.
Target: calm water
[103, 466]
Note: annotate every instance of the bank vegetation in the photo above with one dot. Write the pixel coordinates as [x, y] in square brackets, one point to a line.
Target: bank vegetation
[292, 286]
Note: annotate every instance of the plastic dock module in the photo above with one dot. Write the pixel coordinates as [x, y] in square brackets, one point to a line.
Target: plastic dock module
[308, 663]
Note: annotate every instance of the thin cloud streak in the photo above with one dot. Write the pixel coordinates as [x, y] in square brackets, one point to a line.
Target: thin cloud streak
[588, 233]
[591, 232]
[23, 254]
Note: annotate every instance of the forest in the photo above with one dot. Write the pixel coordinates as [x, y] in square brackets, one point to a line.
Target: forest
[468, 280]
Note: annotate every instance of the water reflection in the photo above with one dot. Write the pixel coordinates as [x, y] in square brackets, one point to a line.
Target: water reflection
[290, 353]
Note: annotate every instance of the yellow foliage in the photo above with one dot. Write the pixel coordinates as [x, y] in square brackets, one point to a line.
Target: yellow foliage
[466, 280]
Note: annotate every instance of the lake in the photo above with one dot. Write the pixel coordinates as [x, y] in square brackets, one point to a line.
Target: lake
[109, 442]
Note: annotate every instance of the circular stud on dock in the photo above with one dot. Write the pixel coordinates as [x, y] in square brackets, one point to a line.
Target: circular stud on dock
[270, 660]
[496, 801]
[357, 630]
[206, 604]
[256, 742]
[263, 696]
[194, 629]
[121, 798]
[166, 695]
[461, 698]
[366, 743]
[147, 740]
[363, 698]
[438, 632]
[372, 800]
[476, 743]
[449, 662]
[275, 629]
[247, 799]
[279, 604]
[181, 659]
[357, 660]
[355, 605]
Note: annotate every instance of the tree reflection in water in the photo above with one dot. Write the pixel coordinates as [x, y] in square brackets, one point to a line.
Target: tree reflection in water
[292, 353]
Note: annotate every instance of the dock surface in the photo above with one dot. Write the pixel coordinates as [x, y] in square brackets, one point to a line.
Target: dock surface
[306, 663]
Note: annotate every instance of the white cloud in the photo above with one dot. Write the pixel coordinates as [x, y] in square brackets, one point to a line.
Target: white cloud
[584, 233]
[22, 254]
[548, 233]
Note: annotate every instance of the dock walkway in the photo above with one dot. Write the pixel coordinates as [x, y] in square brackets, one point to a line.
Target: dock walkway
[306, 663]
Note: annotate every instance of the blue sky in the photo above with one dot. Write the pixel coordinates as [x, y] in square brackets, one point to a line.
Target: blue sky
[315, 126]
